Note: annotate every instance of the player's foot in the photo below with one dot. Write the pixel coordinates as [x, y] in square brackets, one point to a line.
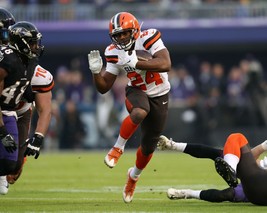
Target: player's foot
[129, 188]
[226, 172]
[178, 193]
[113, 156]
[3, 185]
[165, 144]
[11, 179]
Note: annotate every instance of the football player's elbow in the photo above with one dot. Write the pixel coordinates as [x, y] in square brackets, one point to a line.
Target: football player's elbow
[166, 67]
[102, 90]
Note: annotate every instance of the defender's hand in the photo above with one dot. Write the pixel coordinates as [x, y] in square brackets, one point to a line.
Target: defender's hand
[127, 58]
[7, 140]
[33, 145]
[95, 61]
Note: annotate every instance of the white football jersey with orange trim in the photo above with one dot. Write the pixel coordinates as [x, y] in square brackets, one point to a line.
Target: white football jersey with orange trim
[154, 84]
[42, 81]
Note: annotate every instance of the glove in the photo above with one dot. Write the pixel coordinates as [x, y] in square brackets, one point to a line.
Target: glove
[7, 140]
[127, 58]
[95, 61]
[34, 144]
[263, 163]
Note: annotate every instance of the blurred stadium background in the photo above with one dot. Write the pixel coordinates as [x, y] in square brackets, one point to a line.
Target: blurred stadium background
[218, 50]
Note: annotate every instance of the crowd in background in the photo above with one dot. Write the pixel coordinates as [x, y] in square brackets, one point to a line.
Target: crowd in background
[121, 1]
[217, 95]
[84, 10]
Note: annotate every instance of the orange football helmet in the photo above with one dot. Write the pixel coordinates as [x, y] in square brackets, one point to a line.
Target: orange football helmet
[120, 23]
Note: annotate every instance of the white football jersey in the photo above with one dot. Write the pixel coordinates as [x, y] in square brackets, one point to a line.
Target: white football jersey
[42, 81]
[152, 83]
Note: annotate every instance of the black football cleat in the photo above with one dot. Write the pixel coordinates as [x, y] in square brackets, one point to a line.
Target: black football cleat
[226, 172]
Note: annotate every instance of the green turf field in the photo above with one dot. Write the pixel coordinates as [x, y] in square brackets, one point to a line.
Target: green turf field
[80, 182]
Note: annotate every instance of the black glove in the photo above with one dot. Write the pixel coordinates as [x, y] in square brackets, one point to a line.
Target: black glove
[7, 140]
[33, 145]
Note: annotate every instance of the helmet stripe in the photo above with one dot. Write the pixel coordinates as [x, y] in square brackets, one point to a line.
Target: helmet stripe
[116, 21]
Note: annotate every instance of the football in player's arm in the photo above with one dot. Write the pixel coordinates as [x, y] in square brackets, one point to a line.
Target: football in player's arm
[147, 91]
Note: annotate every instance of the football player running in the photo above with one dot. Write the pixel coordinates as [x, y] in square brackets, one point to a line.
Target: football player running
[41, 85]
[40, 93]
[147, 91]
[17, 65]
[233, 193]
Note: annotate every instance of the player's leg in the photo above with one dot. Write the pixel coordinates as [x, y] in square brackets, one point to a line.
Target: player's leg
[215, 195]
[175, 194]
[203, 151]
[138, 106]
[195, 150]
[151, 128]
[134, 174]
[23, 124]
[226, 166]
[8, 160]
[253, 177]
[212, 195]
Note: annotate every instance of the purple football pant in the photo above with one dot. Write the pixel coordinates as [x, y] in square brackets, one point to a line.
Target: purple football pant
[239, 194]
[11, 126]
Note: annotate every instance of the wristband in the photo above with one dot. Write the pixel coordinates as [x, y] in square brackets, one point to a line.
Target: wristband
[39, 133]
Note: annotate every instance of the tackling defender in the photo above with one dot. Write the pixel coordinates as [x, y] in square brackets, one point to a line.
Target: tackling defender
[238, 161]
[232, 194]
[147, 92]
[17, 64]
[39, 91]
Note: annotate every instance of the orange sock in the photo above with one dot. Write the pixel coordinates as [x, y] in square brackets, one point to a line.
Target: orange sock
[24, 160]
[128, 127]
[233, 144]
[141, 159]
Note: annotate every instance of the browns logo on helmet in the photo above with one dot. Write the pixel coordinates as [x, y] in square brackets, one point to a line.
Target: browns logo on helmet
[120, 23]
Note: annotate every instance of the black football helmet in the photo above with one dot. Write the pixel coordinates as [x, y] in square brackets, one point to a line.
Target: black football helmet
[26, 38]
[6, 20]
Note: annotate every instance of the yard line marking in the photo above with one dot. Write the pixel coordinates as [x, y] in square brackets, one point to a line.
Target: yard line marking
[142, 189]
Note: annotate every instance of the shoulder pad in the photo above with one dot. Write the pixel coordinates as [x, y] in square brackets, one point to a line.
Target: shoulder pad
[8, 58]
[42, 80]
[111, 54]
[149, 37]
